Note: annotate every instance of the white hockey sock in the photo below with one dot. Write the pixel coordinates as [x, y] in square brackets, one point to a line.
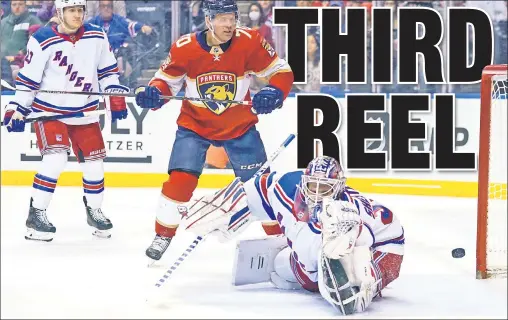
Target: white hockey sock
[93, 182]
[46, 178]
[168, 213]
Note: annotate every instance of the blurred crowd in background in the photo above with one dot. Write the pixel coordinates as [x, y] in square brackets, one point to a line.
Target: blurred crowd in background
[141, 33]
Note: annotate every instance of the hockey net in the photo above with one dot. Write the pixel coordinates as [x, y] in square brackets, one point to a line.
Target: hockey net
[491, 246]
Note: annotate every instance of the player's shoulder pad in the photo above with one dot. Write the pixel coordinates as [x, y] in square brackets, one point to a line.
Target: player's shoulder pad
[289, 182]
[44, 33]
[92, 27]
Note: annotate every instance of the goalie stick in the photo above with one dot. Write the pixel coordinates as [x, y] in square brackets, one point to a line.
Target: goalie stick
[169, 272]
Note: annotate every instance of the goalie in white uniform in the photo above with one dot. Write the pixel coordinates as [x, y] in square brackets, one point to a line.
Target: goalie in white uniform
[331, 240]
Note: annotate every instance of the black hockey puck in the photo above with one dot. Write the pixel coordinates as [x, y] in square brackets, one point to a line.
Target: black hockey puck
[458, 253]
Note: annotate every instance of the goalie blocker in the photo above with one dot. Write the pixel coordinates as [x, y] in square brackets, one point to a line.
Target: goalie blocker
[324, 236]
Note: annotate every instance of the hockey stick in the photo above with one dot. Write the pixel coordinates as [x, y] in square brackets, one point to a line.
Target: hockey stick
[65, 116]
[200, 239]
[127, 95]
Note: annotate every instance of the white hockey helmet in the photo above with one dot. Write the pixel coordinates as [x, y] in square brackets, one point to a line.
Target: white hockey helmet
[60, 5]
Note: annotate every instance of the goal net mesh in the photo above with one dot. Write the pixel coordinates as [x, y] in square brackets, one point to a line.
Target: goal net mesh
[497, 204]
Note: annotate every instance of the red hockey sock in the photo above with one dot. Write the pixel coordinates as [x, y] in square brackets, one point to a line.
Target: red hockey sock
[180, 186]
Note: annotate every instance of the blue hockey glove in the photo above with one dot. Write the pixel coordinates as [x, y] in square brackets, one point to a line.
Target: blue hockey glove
[14, 118]
[148, 97]
[267, 99]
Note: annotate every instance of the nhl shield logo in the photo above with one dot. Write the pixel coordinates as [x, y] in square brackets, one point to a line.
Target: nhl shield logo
[217, 86]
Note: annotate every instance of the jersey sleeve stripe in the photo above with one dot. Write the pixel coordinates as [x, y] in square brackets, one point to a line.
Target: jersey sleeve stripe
[93, 33]
[49, 44]
[264, 187]
[108, 68]
[42, 106]
[107, 73]
[264, 198]
[28, 80]
[265, 70]
[92, 37]
[45, 42]
[283, 198]
[398, 240]
[20, 82]
[270, 179]
[314, 228]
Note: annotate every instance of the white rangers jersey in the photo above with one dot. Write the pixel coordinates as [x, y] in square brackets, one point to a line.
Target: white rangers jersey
[275, 196]
[80, 62]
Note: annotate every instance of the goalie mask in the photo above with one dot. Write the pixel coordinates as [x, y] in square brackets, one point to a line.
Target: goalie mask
[323, 179]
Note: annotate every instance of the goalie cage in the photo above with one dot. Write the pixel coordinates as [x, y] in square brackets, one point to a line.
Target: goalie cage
[491, 241]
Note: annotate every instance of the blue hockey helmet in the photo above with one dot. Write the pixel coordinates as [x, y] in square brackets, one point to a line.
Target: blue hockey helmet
[211, 8]
[323, 179]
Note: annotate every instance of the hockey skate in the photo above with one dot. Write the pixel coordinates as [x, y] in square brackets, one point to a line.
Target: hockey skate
[96, 219]
[157, 248]
[38, 226]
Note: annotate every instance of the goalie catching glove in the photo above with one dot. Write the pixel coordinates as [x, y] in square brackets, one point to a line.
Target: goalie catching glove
[345, 242]
[341, 226]
[225, 212]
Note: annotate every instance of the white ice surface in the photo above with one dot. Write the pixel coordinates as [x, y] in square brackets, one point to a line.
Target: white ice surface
[78, 276]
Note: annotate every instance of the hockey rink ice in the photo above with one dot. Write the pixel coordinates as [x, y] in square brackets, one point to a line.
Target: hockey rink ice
[78, 276]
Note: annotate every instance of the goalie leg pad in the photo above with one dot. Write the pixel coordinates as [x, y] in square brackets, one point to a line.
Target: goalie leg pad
[225, 211]
[254, 259]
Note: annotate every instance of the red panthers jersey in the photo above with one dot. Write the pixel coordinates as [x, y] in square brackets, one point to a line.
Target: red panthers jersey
[222, 73]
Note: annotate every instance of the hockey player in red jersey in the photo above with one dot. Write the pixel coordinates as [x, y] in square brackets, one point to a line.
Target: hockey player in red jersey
[216, 63]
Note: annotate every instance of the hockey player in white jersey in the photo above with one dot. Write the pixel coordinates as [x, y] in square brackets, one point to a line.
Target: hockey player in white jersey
[332, 240]
[70, 56]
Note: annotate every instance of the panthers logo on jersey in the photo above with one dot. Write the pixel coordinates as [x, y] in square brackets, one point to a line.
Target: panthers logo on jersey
[217, 86]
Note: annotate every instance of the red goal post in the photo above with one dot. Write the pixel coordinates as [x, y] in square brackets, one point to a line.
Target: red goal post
[491, 240]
